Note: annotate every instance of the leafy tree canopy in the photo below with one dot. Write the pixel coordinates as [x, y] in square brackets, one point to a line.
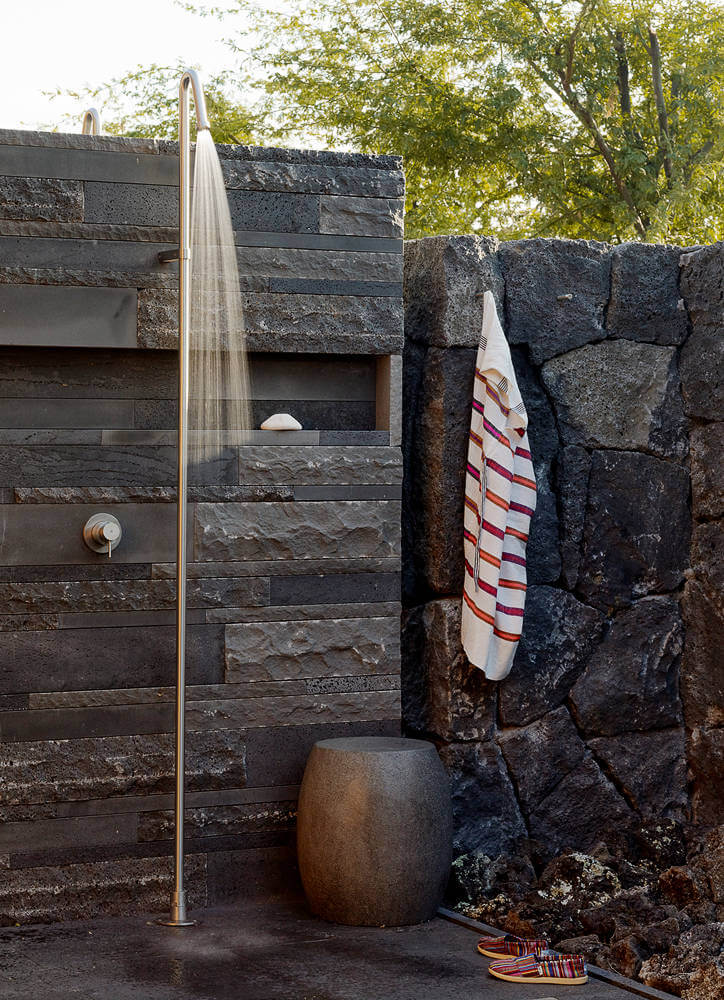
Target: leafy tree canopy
[583, 118]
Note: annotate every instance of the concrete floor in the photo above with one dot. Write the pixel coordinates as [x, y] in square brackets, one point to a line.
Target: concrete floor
[256, 950]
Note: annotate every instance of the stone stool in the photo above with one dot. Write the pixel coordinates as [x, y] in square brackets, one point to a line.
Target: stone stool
[374, 831]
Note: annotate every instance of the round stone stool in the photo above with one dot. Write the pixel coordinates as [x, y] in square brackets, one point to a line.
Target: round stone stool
[374, 831]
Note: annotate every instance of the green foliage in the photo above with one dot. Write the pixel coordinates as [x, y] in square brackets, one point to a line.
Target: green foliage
[582, 118]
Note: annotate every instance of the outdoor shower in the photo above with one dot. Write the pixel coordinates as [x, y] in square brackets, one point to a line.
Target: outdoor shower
[212, 318]
[91, 122]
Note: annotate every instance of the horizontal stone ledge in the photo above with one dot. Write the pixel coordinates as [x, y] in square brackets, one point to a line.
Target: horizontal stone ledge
[219, 821]
[57, 416]
[207, 692]
[40, 834]
[279, 567]
[48, 229]
[73, 277]
[108, 766]
[131, 595]
[106, 721]
[305, 612]
[50, 316]
[81, 255]
[119, 805]
[169, 147]
[145, 494]
[362, 182]
[328, 588]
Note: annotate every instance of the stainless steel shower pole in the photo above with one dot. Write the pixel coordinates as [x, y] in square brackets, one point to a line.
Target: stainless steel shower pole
[189, 79]
[91, 122]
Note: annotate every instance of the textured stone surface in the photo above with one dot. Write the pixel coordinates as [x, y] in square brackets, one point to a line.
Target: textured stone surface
[649, 769]
[619, 394]
[437, 451]
[219, 821]
[41, 198]
[631, 681]
[636, 540]
[302, 177]
[555, 746]
[707, 471]
[445, 278]
[157, 318]
[556, 293]
[702, 358]
[130, 595]
[62, 770]
[361, 216]
[332, 647]
[705, 751]
[707, 555]
[578, 808]
[486, 816]
[645, 299]
[574, 467]
[702, 667]
[300, 530]
[443, 694]
[315, 466]
[558, 635]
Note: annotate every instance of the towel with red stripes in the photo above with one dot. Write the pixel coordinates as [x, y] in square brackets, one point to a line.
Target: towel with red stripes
[500, 498]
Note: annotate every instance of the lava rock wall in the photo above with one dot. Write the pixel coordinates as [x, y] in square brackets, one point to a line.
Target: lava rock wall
[612, 713]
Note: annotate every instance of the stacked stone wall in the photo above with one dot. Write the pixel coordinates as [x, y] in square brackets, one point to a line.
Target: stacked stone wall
[611, 717]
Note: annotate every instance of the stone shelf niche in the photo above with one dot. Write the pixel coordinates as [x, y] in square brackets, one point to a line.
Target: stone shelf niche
[294, 548]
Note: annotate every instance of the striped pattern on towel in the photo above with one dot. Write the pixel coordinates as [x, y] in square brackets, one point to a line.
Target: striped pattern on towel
[500, 498]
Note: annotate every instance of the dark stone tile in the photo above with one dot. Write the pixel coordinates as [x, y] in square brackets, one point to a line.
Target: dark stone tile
[13, 702]
[39, 834]
[312, 178]
[348, 492]
[70, 413]
[335, 588]
[96, 374]
[358, 438]
[37, 197]
[334, 286]
[645, 302]
[47, 315]
[103, 162]
[278, 756]
[92, 255]
[75, 659]
[102, 571]
[318, 414]
[86, 723]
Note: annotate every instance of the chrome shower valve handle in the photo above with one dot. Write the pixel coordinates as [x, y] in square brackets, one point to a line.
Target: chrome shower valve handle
[102, 533]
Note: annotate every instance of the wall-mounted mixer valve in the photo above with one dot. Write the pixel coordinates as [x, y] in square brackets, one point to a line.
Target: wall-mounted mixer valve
[102, 532]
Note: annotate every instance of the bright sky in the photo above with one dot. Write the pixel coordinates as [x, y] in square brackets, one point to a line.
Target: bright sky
[74, 43]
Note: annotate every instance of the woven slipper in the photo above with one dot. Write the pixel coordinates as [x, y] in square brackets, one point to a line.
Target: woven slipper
[563, 970]
[510, 945]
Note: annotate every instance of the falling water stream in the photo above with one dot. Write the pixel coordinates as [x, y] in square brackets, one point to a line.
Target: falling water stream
[219, 408]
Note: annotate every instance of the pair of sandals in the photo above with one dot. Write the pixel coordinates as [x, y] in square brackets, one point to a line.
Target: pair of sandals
[523, 960]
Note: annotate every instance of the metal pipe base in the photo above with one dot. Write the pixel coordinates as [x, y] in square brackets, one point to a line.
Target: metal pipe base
[178, 916]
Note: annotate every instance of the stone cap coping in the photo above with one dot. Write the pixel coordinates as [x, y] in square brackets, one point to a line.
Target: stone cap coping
[168, 147]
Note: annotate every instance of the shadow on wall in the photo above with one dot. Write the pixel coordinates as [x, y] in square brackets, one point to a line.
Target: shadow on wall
[612, 715]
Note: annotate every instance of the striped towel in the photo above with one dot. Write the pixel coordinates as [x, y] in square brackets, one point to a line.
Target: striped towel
[500, 497]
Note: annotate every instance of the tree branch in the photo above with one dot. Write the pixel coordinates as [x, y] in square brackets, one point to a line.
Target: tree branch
[664, 140]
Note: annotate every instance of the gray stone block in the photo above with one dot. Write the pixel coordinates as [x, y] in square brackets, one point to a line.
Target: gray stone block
[271, 567]
[110, 570]
[100, 163]
[338, 265]
[313, 179]
[26, 274]
[636, 540]
[296, 531]
[299, 710]
[38, 198]
[330, 685]
[106, 888]
[47, 316]
[702, 358]
[445, 278]
[108, 767]
[642, 413]
[130, 204]
[702, 669]
[131, 595]
[219, 821]
[328, 414]
[66, 413]
[338, 324]
[581, 805]
[361, 216]
[360, 439]
[571, 488]
[707, 471]
[68, 659]
[649, 769]
[486, 815]
[332, 588]
[332, 466]
[442, 693]
[555, 746]
[277, 756]
[304, 612]
[631, 680]
[278, 212]
[333, 286]
[276, 376]
[114, 374]
[645, 300]
[40, 436]
[81, 723]
[559, 634]
[556, 293]
[118, 256]
[333, 647]
[34, 534]
[347, 492]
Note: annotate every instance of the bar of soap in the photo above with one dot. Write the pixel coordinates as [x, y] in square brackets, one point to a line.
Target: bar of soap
[281, 422]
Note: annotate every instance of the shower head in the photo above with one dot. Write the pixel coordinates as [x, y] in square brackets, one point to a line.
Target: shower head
[191, 78]
[91, 122]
